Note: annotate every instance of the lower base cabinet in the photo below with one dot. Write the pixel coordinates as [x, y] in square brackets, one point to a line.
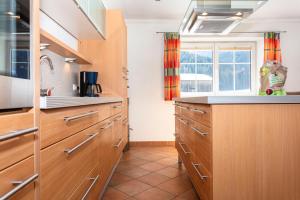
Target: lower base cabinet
[79, 166]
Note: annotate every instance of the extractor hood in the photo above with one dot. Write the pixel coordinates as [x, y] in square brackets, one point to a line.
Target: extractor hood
[216, 17]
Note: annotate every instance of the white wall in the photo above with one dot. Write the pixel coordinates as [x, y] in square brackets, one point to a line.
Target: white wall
[64, 74]
[150, 116]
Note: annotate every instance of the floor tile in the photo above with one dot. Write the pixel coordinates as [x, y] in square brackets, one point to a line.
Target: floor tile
[154, 179]
[135, 173]
[133, 187]
[176, 186]
[189, 195]
[171, 172]
[113, 194]
[137, 161]
[154, 193]
[125, 166]
[167, 161]
[119, 178]
[152, 166]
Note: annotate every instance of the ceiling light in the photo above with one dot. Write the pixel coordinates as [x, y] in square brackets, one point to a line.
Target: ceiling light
[260, 2]
[204, 14]
[239, 14]
[70, 60]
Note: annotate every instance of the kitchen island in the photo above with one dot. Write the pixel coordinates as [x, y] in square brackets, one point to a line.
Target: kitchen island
[240, 148]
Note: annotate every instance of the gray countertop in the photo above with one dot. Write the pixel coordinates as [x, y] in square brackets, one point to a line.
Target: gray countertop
[241, 100]
[64, 101]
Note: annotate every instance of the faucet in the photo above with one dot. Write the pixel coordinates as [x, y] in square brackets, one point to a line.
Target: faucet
[43, 91]
[45, 57]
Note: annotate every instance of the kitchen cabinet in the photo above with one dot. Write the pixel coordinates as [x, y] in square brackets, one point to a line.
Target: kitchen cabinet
[240, 151]
[80, 161]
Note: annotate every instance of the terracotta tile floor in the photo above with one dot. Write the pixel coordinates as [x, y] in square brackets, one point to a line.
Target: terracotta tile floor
[150, 173]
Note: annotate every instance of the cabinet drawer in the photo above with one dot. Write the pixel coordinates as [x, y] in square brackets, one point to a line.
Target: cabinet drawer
[116, 108]
[23, 172]
[197, 112]
[202, 179]
[89, 188]
[200, 142]
[65, 164]
[59, 124]
[16, 138]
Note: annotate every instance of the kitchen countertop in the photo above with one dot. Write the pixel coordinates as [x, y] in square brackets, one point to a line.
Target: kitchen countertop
[52, 102]
[241, 100]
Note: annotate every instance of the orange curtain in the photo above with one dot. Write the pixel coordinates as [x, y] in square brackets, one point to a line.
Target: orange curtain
[272, 50]
[171, 65]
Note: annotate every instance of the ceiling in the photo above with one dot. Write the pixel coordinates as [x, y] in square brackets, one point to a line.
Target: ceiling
[175, 9]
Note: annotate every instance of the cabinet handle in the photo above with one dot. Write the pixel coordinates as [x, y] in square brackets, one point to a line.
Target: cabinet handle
[203, 178]
[118, 106]
[20, 186]
[118, 118]
[183, 121]
[14, 134]
[70, 151]
[119, 144]
[90, 188]
[183, 107]
[68, 119]
[199, 132]
[184, 151]
[108, 126]
[198, 111]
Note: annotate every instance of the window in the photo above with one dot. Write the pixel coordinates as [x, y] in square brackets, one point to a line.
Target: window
[222, 68]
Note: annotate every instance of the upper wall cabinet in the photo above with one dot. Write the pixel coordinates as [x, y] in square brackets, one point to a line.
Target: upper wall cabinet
[84, 19]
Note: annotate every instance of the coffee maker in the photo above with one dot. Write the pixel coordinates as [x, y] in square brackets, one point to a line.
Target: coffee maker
[88, 84]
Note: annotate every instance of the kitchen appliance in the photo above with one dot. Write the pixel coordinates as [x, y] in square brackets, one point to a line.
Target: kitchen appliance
[88, 84]
[217, 17]
[16, 74]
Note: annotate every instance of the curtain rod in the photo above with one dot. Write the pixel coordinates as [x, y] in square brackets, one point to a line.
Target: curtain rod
[238, 32]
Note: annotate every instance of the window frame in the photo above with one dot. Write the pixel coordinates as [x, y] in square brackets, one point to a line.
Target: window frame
[215, 46]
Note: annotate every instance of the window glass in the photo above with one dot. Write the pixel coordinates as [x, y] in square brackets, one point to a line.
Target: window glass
[242, 76]
[226, 82]
[187, 69]
[206, 69]
[226, 57]
[204, 57]
[187, 57]
[188, 86]
[242, 56]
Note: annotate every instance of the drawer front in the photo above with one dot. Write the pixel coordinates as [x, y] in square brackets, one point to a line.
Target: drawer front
[200, 142]
[64, 165]
[119, 141]
[197, 112]
[16, 138]
[116, 108]
[125, 131]
[59, 124]
[23, 172]
[89, 188]
[201, 178]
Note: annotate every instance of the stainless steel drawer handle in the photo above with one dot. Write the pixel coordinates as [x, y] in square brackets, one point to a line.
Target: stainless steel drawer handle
[14, 134]
[72, 150]
[198, 111]
[203, 178]
[118, 118]
[108, 126]
[184, 151]
[199, 132]
[91, 187]
[118, 106]
[19, 187]
[68, 119]
[119, 144]
[183, 107]
[183, 121]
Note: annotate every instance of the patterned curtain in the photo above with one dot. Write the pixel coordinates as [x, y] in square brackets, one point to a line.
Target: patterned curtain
[272, 50]
[171, 65]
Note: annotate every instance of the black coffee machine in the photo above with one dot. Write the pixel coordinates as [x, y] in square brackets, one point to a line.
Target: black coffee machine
[88, 84]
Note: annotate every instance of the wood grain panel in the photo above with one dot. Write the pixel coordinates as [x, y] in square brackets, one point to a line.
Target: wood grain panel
[16, 149]
[54, 128]
[61, 174]
[18, 172]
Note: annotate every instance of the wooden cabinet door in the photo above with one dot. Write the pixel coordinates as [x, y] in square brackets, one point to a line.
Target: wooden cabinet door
[15, 149]
[65, 164]
[22, 171]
